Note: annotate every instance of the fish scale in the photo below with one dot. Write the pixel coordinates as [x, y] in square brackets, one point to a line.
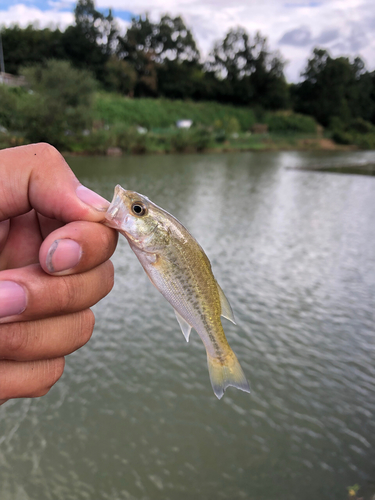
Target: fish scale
[178, 267]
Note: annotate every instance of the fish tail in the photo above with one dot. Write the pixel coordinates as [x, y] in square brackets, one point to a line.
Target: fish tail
[226, 373]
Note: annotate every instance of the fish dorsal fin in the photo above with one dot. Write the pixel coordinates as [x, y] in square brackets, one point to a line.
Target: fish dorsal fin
[185, 327]
[226, 310]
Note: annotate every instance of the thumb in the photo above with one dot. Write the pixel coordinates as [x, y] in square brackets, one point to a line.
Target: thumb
[37, 176]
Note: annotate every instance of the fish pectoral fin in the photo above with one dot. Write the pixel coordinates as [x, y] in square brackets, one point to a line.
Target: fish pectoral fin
[151, 257]
[226, 310]
[185, 327]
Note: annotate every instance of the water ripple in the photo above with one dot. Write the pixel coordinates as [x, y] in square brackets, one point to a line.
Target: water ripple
[134, 416]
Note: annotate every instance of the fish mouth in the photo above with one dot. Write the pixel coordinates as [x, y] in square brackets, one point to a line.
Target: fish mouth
[116, 214]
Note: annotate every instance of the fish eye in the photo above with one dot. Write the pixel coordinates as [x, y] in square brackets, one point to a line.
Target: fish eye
[138, 209]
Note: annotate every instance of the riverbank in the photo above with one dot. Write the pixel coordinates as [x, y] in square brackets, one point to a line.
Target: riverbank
[155, 144]
[116, 125]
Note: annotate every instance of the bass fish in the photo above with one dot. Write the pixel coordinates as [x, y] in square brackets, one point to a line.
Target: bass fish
[178, 267]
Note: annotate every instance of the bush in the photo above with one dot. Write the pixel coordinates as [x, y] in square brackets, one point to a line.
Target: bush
[96, 142]
[181, 141]
[201, 139]
[8, 107]
[364, 141]
[59, 107]
[341, 137]
[290, 122]
[361, 126]
[129, 139]
[358, 132]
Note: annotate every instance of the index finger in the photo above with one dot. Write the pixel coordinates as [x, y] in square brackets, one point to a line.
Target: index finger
[37, 176]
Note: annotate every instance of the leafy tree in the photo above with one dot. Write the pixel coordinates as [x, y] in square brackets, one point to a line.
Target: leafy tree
[96, 28]
[136, 47]
[249, 73]
[92, 40]
[120, 76]
[158, 50]
[173, 41]
[60, 105]
[335, 88]
[29, 46]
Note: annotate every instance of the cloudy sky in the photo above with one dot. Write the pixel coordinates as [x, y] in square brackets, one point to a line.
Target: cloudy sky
[293, 27]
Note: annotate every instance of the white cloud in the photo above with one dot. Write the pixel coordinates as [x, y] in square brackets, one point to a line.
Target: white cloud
[24, 15]
[345, 27]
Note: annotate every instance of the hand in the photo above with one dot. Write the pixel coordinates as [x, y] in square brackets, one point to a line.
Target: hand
[53, 267]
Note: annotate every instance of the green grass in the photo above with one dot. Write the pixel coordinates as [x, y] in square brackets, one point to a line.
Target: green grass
[216, 127]
[163, 113]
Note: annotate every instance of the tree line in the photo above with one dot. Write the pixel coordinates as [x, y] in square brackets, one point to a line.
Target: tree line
[161, 59]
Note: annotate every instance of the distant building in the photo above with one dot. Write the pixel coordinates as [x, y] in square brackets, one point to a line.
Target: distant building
[184, 123]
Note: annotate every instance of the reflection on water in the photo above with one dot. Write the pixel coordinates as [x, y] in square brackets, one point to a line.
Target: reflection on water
[134, 416]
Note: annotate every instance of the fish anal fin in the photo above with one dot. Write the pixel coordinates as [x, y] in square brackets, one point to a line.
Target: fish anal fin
[226, 310]
[226, 374]
[185, 327]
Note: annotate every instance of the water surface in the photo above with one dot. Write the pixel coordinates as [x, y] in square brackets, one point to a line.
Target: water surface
[134, 415]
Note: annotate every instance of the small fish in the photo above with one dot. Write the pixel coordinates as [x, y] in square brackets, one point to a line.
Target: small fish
[181, 271]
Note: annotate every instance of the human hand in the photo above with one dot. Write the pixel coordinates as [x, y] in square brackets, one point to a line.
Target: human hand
[53, 267]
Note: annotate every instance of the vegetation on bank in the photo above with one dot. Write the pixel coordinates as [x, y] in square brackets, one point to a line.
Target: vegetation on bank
[159, 59]
[91, 88]
[73, 116]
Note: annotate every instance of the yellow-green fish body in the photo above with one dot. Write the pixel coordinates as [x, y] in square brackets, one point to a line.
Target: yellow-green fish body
[181, 271]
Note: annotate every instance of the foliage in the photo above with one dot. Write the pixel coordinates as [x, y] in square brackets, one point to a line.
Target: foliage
[30, 45]
[162, 113]
[358, 132]
[8, 107]
[249, 72]
[129, 139]
[156, 58]
[195, 139]
[91, 41]
[159, 59]
[120, 76]
[290, 122]
[335, 88]
[57, 108]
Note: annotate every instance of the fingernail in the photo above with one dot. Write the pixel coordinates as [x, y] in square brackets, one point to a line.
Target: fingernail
[91, 198]
[63, 255]
[12, 299]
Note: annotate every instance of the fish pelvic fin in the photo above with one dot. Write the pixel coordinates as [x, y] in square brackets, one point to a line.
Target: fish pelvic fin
[225, 374]
[226, 310]
[184, 325]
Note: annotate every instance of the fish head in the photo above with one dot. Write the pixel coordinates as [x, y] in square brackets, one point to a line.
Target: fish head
[137, 218]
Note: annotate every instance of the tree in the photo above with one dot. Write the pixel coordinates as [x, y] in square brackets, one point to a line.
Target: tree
[120, 76]
[92, 40]
[60, 105]
[29, 46]
[334, 88]
[249, 73]
[157, 50]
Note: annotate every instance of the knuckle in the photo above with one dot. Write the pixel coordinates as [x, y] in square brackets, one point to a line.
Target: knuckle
[29, 379]
[68, 293]
[108, 240]
[14, 340]
[45, 149]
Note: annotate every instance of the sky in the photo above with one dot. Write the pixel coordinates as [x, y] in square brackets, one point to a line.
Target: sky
[292, 27]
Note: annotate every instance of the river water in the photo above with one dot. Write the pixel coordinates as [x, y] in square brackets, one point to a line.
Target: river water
[134, 415]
